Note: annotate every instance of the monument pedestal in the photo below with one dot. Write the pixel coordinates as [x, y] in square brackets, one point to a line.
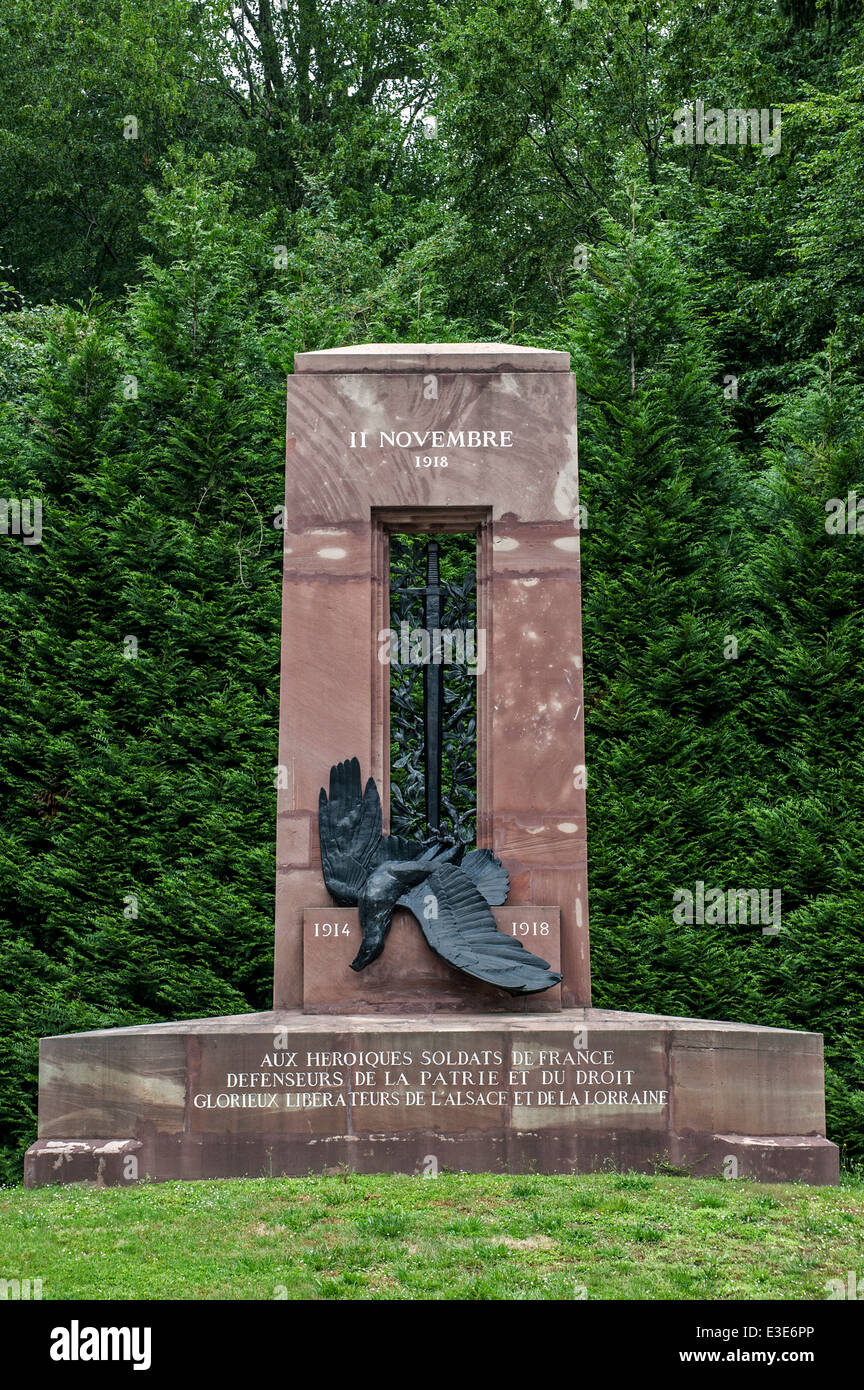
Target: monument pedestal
[290, 1093]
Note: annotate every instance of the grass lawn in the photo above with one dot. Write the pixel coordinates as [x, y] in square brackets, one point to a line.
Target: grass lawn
[457, 1236]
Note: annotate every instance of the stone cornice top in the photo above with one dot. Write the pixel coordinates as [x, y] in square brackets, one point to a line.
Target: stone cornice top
[431, 357]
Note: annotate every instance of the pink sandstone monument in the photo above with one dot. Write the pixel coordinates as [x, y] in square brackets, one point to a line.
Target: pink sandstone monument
[409, 1064]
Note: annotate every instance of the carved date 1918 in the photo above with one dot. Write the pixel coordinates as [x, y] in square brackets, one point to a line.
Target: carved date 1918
[530, 929]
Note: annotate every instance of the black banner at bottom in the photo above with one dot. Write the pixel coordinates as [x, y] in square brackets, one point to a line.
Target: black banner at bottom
[224, 1340]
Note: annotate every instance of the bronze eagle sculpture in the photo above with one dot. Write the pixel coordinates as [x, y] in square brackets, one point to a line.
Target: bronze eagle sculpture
[448, 891]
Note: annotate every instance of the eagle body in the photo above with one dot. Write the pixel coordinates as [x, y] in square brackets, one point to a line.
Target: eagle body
[448, 892]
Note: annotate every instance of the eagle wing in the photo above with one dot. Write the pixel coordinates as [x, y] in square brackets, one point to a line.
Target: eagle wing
[488, 874]
[349, 826]
[454, 917]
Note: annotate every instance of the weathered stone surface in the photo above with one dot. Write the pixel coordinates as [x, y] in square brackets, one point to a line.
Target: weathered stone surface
[285, 1092]
[105, 1162]
[104, 1082]
[720, 1083]
[764, 1158]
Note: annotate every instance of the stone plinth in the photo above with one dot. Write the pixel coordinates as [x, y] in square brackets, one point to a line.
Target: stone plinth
[288, 1093]
[105, 1162]
[436, 437]
[408, 978]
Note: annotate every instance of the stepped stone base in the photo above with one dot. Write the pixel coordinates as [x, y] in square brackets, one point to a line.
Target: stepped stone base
[284, 1092]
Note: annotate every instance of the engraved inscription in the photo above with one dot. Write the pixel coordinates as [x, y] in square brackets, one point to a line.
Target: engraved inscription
[530, 1077]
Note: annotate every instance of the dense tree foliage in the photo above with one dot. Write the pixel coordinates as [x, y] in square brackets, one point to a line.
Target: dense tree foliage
[190, 193]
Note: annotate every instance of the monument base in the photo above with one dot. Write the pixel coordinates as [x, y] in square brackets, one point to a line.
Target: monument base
[281, 1093]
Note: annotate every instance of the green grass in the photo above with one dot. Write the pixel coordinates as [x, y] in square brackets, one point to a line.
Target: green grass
[458, 1236]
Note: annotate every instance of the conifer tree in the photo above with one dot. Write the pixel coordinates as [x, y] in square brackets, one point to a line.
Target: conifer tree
[666, 743]
[807, 718]
[137, 866]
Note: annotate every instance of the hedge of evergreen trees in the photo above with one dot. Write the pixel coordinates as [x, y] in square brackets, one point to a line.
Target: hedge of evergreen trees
[184, 203]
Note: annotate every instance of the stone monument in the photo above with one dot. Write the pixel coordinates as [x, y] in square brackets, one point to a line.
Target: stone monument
[410, 1064]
